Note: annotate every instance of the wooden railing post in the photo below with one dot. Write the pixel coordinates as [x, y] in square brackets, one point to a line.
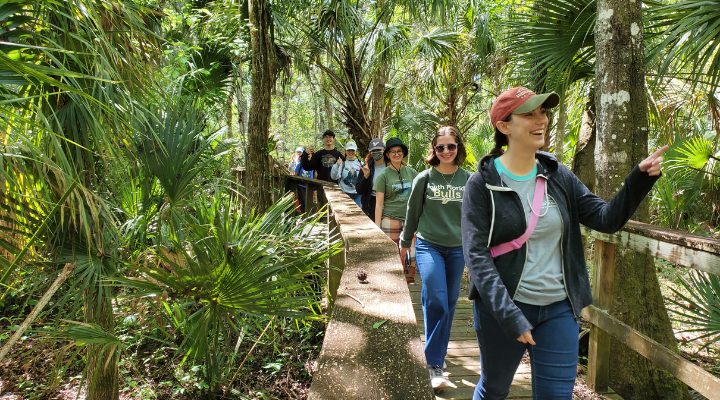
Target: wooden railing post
[598, 376]
[336, 266]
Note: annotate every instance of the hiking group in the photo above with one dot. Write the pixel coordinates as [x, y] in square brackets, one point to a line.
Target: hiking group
[514, 223]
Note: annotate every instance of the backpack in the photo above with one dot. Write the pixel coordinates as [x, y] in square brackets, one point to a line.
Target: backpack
[343, 170]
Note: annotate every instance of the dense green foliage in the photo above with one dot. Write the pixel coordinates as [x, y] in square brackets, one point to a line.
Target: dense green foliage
[121, 123]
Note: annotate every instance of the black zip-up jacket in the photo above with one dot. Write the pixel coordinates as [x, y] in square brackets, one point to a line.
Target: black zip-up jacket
[493, 214]
[364, 187]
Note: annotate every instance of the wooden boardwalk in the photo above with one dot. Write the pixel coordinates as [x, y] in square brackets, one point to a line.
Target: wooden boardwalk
[463, 358]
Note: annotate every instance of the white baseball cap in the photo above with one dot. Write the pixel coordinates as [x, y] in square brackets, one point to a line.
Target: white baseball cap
[350, 146]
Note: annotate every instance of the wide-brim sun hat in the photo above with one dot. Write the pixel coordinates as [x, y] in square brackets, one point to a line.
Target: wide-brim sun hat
[376, 144]
[520, 100]
[351, 146]
[392, 142]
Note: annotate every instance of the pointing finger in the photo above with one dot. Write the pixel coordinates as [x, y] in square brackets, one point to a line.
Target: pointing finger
[659, 151]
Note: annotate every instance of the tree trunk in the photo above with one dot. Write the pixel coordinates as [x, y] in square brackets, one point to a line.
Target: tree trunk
[258, 178]
[326, 100]
[229, 111]
[102, 365]
[622, 136]
[584, 161]
[379, 106]
[560, 129]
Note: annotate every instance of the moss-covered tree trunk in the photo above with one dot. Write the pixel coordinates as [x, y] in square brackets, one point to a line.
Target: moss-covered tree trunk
[622, 135]
[258, 179]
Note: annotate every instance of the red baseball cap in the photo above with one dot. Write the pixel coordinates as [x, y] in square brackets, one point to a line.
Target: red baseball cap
[520, 100]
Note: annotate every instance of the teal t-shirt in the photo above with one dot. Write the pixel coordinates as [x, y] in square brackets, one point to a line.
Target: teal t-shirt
[395, 185]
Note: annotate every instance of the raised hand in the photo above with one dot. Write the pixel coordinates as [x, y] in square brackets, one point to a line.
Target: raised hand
[366, 171]
[339, 161]
[653, 164]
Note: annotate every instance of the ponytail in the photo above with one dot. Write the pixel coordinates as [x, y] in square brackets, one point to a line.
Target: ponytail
[500, 140]
[497, 151]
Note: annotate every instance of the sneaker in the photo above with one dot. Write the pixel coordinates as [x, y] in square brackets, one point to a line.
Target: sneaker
[438, 379]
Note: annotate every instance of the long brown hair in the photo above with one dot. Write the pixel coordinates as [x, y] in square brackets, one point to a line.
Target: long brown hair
[432, 158]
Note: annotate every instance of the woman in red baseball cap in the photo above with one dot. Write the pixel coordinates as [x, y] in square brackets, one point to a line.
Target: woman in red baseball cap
[521, 221]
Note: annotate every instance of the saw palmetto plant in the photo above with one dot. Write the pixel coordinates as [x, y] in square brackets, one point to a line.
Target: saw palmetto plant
[231, 267]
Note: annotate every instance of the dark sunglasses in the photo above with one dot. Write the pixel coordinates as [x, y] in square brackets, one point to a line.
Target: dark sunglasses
[441, 147]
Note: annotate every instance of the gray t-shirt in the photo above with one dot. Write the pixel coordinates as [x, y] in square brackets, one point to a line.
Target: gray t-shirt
[541, 283]
[347, 174]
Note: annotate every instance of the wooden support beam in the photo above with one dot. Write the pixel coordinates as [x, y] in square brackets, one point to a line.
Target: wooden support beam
[336, 267]
[598, 377]
[692, 375]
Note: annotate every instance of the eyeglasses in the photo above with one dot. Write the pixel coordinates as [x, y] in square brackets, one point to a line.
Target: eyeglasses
[396, 152]
[441, 148]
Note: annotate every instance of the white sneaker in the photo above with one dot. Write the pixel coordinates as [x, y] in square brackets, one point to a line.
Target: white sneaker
[438, 379]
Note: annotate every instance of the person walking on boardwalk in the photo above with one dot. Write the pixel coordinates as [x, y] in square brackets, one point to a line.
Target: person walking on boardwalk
[374, 164]
[299, 171]
[295, 160]
[521, 219]
[322, 161]
[346, 172]
[433, 213]
[392, 191]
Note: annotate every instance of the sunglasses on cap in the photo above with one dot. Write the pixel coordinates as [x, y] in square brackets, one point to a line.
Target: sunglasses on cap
[441, 148]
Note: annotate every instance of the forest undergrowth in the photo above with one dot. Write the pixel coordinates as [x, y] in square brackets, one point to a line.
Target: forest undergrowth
[277, 365]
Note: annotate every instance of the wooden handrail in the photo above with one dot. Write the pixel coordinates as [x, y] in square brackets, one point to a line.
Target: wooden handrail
[372, 347]
[678, 247]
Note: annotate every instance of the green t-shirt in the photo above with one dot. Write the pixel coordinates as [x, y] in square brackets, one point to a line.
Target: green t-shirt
[396, 188]
[437, 219]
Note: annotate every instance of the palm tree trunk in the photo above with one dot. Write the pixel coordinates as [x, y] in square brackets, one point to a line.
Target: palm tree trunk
[102, 365]
[326, 100]
[258, 180]
[560, 129]
[622, 135]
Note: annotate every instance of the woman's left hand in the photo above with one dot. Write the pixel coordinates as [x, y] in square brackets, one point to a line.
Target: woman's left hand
[653, 164]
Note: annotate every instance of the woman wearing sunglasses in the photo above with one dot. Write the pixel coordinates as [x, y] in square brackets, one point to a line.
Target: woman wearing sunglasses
[521, 221]
[433, 214]
[392, 191]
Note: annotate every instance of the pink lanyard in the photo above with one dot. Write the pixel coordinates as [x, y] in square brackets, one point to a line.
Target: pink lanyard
[497, 251]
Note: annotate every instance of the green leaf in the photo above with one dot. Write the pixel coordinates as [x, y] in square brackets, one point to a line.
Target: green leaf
[379, 324]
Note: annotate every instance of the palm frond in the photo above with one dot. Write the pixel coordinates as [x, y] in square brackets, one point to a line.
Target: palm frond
[700, 309]
[687, 40]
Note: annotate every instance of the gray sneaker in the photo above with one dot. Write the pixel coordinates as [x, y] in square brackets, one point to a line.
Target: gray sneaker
[438, 379]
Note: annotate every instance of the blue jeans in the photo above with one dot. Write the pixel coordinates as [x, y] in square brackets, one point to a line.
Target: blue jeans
[553, 360]
[441, 269]
[356, 198]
